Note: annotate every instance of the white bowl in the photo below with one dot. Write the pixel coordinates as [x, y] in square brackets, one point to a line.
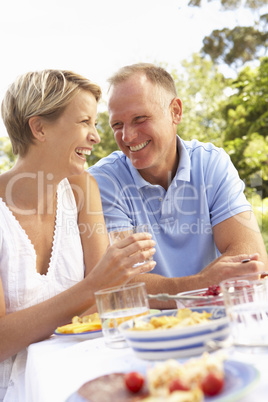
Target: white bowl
[183, 342]
[210, 301]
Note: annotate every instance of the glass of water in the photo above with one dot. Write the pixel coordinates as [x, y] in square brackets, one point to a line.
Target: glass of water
[118, 304]
[121, 234]
[246, 303]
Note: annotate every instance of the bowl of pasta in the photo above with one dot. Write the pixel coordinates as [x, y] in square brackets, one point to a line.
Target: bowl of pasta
[176, 333]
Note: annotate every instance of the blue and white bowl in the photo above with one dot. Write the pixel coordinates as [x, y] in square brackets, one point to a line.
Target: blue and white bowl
[181, 342]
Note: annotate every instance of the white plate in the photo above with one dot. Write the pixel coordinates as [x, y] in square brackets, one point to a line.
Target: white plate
[82, 336]
[176, 342]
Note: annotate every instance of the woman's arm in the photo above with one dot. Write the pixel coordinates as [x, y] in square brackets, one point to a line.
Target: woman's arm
[2, 301]
[20, 329]
[91, 222]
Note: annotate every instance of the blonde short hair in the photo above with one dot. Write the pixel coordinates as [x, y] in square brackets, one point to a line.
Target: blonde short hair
[43, 93]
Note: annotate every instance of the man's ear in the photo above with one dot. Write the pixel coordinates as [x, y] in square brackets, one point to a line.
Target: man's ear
[176, 109]
[37, 128]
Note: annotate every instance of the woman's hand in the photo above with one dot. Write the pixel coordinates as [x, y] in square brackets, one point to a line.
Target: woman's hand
[116, 266]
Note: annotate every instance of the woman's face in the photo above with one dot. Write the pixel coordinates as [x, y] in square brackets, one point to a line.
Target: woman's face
[72, 136]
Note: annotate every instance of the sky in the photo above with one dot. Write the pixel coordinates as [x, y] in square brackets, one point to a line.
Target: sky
[96, 37]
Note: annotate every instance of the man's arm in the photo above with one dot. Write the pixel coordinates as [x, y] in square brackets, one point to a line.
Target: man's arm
[222, 268]
[237, 238]
[240, 234]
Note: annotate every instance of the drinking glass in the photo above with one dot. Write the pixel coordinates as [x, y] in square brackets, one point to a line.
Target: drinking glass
[246, 303]
[118, 304]
[121, 234]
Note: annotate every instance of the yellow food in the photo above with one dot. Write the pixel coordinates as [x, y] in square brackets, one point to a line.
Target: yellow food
[86, 318]
[194, 395]
[184, 318]
[81, 324]
[191, 373]
[118, 320]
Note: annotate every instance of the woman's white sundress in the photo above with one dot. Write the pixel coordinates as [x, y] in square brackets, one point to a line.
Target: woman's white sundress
[23, 285]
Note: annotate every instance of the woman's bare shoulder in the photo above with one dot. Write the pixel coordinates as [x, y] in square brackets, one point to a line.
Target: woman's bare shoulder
[85, 187]
[83, 179]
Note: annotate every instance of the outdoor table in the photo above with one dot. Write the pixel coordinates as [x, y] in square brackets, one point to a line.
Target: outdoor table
[57, 367]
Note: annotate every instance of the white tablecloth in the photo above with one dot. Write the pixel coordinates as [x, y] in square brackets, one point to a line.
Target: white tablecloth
[56, 368]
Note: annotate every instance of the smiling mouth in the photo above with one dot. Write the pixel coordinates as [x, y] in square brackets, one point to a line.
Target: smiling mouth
[139, 147]
[83, 151]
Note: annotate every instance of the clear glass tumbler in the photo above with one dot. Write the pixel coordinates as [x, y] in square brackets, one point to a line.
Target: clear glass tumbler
[246, 303]
[119, 304]
[121, 234]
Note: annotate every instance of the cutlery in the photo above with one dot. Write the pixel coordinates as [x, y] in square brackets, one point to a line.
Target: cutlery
[166, 297]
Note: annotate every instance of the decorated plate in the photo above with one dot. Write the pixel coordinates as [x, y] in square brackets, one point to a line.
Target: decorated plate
[239, 380]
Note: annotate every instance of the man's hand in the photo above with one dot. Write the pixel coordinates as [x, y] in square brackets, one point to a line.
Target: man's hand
[229, 266]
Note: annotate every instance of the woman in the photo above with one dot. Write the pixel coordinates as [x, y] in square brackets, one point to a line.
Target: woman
[53, 242]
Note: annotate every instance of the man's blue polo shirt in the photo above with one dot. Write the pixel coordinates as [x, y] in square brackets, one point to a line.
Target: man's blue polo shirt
[205, 191]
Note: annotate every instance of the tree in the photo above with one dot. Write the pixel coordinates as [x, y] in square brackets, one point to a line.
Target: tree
[201, 88]
[7, 158]
[240, 44]
[107, 144]
[232, 4]
[246, 117]
[235, 46]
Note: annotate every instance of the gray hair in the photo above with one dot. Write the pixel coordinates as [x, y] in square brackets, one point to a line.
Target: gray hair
[156, 75]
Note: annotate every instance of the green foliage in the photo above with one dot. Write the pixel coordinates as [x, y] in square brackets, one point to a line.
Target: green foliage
[254, 4]
[247, 108]
[260, 209]
[107, 144]
[232, 4]
[201, 88]
[7, 159]
[235, 46]
[241, 44]
[246, 119]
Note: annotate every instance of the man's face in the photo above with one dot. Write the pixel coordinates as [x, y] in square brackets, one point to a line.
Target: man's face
[144, 129]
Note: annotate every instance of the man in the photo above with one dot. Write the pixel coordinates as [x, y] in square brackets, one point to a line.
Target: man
[188, 192]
